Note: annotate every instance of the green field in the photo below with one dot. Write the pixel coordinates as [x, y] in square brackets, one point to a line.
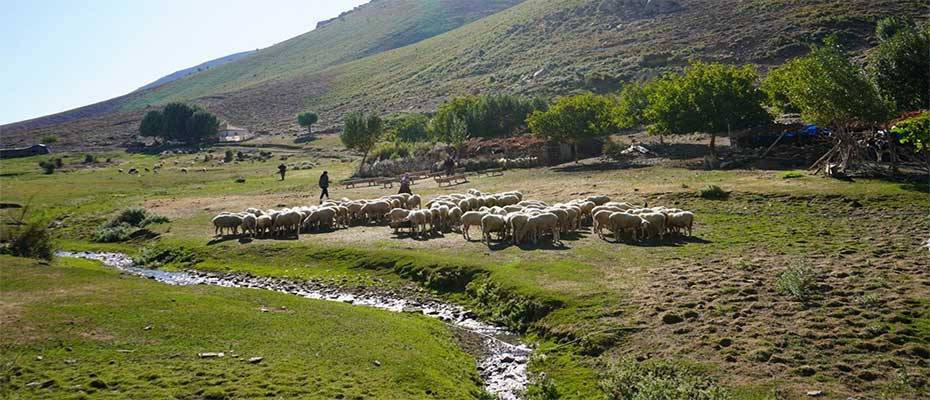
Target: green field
[710, 301]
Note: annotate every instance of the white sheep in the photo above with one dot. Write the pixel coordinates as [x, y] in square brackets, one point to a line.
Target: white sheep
[225, 221]
[620, 222]
[469, 219]
[540, 224]
[678, 221]
[492, 223]
[656, 224]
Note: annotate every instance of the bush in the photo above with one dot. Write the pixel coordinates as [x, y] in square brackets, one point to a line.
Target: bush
[113, 234]
[658, 379]
[49, 139]
[542, 389]
[613, 150]
[32, 241]
[797, 281]
[156, 257]
[240, 180]
[48, 167]
[123, 225]
[714, 192]
[89, 159]
[228, 157]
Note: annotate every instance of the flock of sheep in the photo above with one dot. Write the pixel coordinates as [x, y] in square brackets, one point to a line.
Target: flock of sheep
[504, 217]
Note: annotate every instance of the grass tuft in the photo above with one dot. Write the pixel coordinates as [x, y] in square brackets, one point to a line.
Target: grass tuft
[792, 175]
[659, 379]
[713, 192]
[797, 281]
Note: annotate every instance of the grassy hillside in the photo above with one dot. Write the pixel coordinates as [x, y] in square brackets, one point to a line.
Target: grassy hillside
[374, 59]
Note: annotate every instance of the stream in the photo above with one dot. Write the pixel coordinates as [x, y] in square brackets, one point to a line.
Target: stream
[502, 360]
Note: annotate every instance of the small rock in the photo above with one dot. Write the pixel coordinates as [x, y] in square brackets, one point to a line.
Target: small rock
[725, 342]
[815, 393]
[507, 359]
[70, 361]
[805, 370]
[39, 358]
[256, 360]
[98, 384]
[211, 355]
[47, 383]
[147, 328]
[377, 363]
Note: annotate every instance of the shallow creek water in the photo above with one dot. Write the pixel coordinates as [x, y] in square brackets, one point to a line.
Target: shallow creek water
[502, 359]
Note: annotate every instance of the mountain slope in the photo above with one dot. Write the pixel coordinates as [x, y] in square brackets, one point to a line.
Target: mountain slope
[196, 69]
[374, 59]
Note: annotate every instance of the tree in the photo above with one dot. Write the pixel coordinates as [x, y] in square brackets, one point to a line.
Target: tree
[486, 116]
[410, 127]
[152, 124]
[174, 117]
[711, 98]
[458, 134]
[571, 119]
[915, 131]
[307, 119]
[900, 65]
[361, 133]
[828, 90]
[200, 127]
[631, 105]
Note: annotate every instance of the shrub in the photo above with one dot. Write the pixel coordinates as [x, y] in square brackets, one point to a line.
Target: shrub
[156, 257]
[32, 241]
[112, 234]
[49, 139]
[58, 162]
[792, 175]
[123, 225]
[613, 150]
[658, 379]
[240, 180]
[542, 389]
[89, 159]
[228, 157]
[797, 281]
[48, 167]
[714, 192]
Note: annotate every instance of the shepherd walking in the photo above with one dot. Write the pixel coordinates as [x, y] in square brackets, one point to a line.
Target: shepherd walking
[324, 186]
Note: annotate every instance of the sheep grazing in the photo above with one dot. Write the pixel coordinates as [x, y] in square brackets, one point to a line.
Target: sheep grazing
[226, 222]
[263, 225]
[517, 223]
[541, 224]
[287, 222]
[249, 223]
[682, 220]
[656, 224]
[620, 222]
[469, 219]
[492, 223]
[413, 202]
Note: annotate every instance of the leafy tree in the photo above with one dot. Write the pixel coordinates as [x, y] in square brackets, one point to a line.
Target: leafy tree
[458, 134]
[307, 119]
[201, 126]
[915, 131]
[828, 90]
[900, 66]
[174, 119]
[411, 127]
[631, 105]
[888, 27]
[361, 133]
[711, 98]
[152, 124]
[486, 116]
[571, 119]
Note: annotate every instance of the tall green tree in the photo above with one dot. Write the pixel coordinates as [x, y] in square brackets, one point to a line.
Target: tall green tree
[200, 127]
[361, 133]
[710, 98]
[828, 90]
[574, 118]
[408, 127]
[174, 117]
[631, 105]
[486, 115]
[900, 64]
[307, 119]
[152, 125]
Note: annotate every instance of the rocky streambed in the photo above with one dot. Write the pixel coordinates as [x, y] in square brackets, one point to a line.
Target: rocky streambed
[502, 357]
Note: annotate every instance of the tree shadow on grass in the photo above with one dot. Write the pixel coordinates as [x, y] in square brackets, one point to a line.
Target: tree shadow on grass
[597, 166]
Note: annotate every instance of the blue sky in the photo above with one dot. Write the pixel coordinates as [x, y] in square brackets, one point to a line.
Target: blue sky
[63, 54]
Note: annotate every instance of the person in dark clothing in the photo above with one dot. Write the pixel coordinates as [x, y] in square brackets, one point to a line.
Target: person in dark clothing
[449, 166]
[282, 169]
[324, 185]
[405, 185]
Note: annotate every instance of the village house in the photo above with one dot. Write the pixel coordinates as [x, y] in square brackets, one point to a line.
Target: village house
[229, 133]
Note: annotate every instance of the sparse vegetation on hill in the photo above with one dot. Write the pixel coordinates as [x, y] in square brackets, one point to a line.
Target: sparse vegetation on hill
[536, 47]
